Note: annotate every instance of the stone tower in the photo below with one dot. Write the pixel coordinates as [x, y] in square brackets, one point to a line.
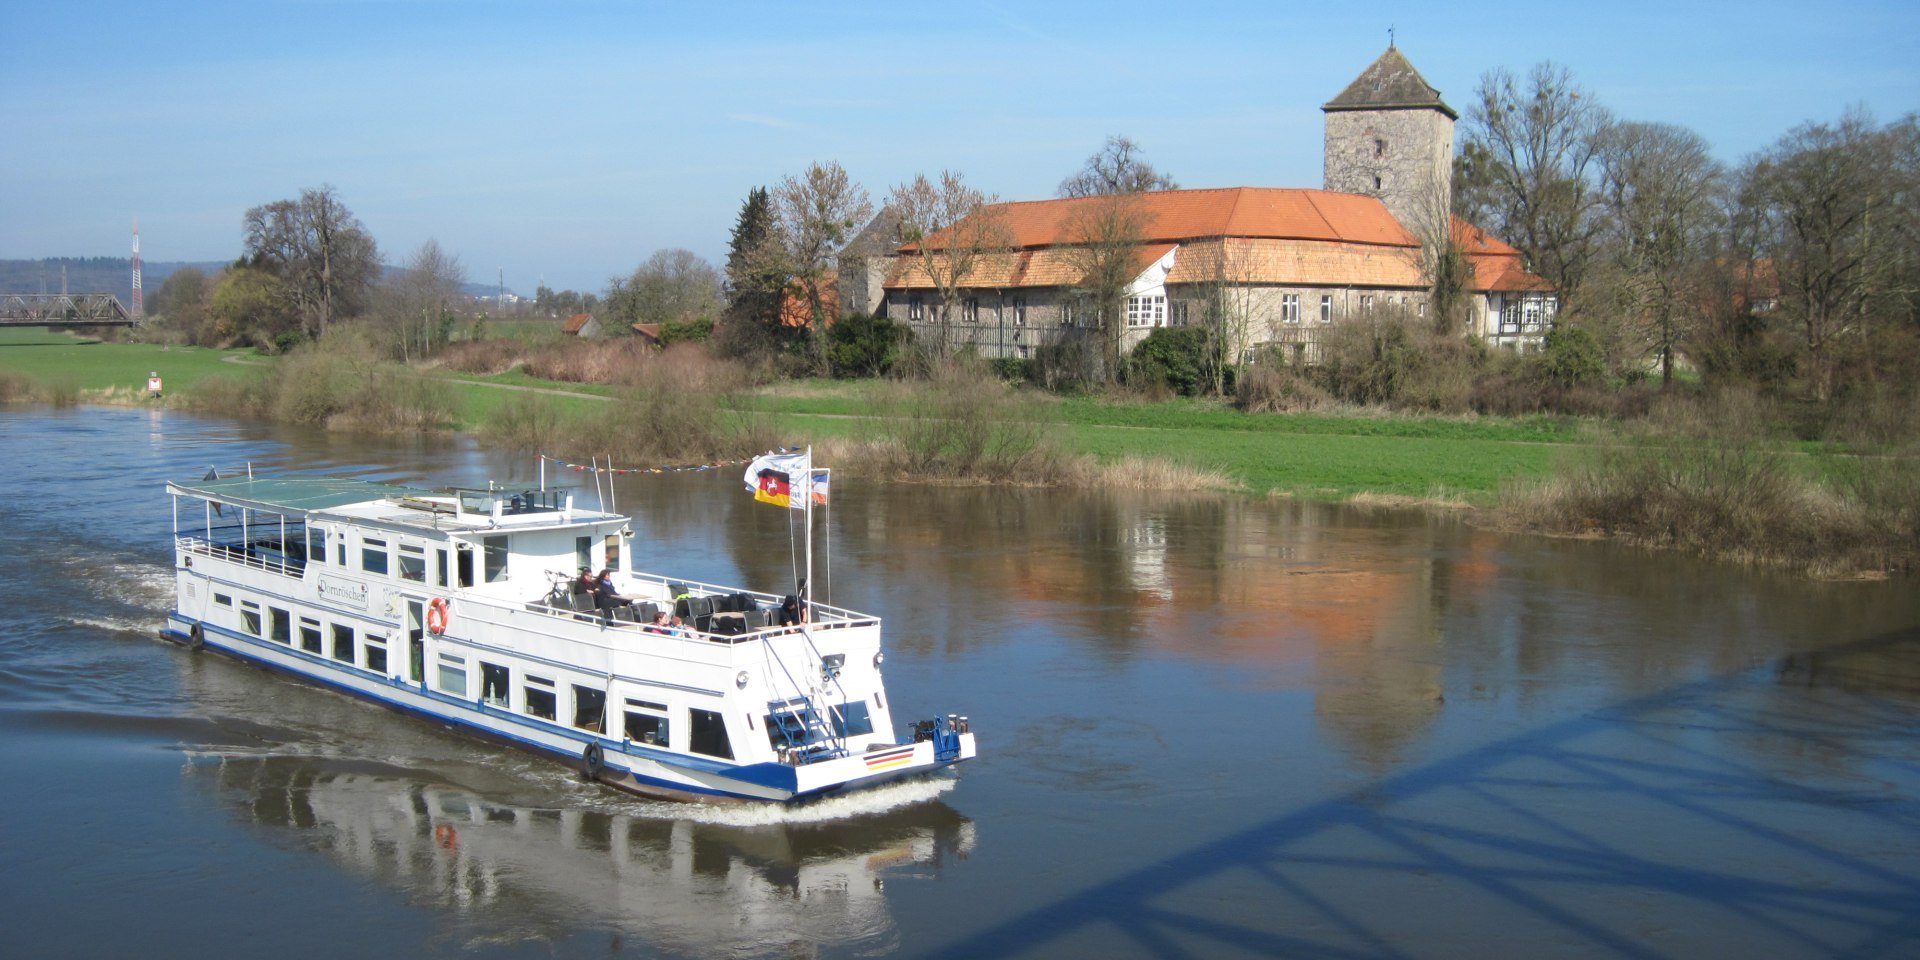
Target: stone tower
[1389, 135]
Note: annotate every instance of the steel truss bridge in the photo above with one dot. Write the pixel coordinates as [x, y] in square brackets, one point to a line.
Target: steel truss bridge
[63, 310]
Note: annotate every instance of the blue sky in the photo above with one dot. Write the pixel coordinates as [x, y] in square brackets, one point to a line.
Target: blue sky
[570, 140]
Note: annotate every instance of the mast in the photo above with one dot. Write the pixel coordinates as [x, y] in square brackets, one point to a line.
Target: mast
[808, 494]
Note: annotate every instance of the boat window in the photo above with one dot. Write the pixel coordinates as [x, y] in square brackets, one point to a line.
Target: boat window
[317, 544]
[540, 703]
[340, 552]
[373, 556]
[851, 719]
[309, 635]
[708, 734]
[453, 675]
[464, 553]
[279, 625]
[440, 571]
[613, 552]
[223, 599]
[250, 616]
[589, 708]
[583, 552]
[496, 548]
[376, 656]
[646, 705]
[647, 728]
[493, 684]
[413, 563]
[343, 643]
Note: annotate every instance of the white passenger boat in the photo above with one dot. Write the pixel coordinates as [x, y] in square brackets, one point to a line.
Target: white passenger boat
[462, 607]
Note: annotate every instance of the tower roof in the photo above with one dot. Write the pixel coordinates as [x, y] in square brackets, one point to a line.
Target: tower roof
[1391, 83]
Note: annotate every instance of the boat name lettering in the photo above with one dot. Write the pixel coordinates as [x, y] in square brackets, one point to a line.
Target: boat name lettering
[344, 591]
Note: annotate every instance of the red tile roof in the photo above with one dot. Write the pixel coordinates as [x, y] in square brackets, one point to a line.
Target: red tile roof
[575, 322]
[1245, 234]
[1171, 216]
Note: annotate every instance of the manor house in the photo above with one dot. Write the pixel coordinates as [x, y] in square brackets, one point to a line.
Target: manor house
[1286, 263]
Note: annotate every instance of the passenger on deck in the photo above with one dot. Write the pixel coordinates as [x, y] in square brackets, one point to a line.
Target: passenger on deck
[791, 613]
[678, 627]
[605, 597]
[660, 624]
[584, 583]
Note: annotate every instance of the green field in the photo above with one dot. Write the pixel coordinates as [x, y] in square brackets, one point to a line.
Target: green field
[56, 358]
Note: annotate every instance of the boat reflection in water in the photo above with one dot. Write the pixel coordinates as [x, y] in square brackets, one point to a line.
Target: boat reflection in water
[652, 871]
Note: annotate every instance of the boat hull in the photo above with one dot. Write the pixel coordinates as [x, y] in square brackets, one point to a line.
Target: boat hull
[624, 765]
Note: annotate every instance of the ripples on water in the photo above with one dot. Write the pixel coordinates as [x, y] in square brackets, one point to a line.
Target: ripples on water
[1208, 726]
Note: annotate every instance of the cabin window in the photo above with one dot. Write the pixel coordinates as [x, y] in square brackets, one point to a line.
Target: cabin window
[413, 563]
[309, 635]
[440, 571]
[540, 703]
[343, 643]
[317, 544]
[453, 675]
[589, 708]
[250, 617]
[647, 728]
[463, 557]
[613, 552]
[279, 625]
[376, 657]
[373, 556]
[583, 552]
[340, 552]
[494, 688]
[708, 734]
[223, 599]
[851, 719]
[496, 548]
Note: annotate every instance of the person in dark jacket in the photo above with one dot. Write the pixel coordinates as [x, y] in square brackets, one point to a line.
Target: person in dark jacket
[605, 597]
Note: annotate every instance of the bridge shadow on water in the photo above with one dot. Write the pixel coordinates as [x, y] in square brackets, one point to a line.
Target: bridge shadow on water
[1773, 812]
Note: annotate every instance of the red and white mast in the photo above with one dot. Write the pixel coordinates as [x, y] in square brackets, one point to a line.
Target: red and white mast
[139, 309]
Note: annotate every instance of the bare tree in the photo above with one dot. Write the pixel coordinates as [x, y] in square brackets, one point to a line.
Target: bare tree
[1117, 167]
[672, 286]
[1105, 235]
[321, 252]
[1527, 171]
[1839, 213]
[957, 233]
[1662, 193]
[421, 301]
[817, 213]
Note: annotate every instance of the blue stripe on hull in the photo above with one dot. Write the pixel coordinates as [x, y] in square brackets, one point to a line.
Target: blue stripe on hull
[766, 774]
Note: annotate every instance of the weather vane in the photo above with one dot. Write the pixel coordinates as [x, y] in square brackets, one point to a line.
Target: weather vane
[1389, 36]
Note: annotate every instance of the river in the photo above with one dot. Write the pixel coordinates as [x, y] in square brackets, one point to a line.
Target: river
[1209, 727]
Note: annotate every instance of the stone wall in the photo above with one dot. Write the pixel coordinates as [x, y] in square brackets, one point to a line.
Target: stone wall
[1404, 157]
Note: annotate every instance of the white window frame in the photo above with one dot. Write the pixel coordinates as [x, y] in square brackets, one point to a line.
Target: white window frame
[970, 310]
[1019, 311]
[916, 309]
[1326, 308]
[1290, 308]
[1147, 311]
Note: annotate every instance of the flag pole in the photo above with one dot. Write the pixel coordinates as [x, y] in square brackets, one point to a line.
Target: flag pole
[807, 491]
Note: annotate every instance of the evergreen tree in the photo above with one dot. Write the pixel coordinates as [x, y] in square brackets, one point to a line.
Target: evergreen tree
[756, 273]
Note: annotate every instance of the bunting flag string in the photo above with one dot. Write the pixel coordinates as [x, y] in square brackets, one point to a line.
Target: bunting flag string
[682, 468]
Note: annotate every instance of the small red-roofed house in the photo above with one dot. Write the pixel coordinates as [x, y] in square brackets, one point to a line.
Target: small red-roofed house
[581, 325]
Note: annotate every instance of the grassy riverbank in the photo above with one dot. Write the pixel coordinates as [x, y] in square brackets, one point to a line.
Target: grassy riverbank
[1718, 481]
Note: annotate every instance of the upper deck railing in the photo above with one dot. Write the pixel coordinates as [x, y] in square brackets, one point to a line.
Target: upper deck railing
[259, 558]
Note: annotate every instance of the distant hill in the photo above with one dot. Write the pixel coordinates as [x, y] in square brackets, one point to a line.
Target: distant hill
[115, 275]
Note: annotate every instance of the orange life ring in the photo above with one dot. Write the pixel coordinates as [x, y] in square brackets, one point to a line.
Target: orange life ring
[445, 837]
[437, 615]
